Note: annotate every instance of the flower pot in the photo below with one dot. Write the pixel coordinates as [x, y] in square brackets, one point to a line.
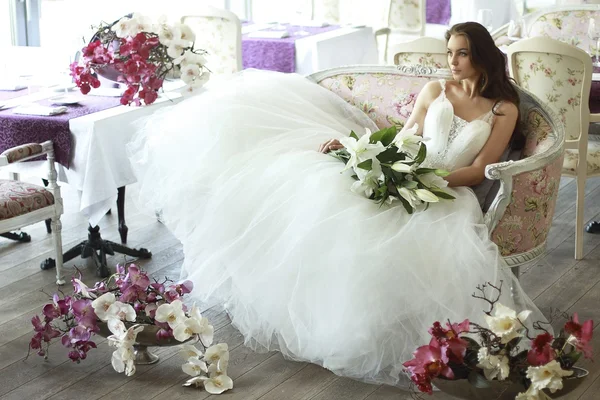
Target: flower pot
[503, 390]
[146, 338]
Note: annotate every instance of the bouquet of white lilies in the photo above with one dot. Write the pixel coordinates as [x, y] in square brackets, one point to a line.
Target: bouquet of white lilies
[387, 164]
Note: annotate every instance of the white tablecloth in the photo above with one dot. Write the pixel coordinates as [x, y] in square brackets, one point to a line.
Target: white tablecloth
[100, 164]
[466, 10]
[344, 46]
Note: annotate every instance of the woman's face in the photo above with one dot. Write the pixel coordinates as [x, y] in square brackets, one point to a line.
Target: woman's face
[459, 58]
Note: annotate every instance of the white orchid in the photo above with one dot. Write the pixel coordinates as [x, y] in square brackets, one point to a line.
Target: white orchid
[122, 311]
[139, 23]
[548, 376]
[506, 323]
[218, 368]
[494, 366]
[361, 150]
[186, 329]
[206, 330]
[408, 141]
[123, 360]
[188, 351]
[121, 335]
[171, 313]
[218, 384]
[194, 367]
[426, 196]
[217, 353]
[84, 289]
[125, 27]
[175, 50]
[186, 34]
[530, 394]
[432, 180]
[102, 304]
[189, 57]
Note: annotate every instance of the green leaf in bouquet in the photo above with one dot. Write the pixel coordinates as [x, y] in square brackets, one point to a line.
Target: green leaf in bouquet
[390, 155]
[406, 204]
[409, 184]
[366, 165]
[442, 195]
[385, 136]
[423, 171]
[478, 380]
[441, 172]
[353, 135]
[421, 154]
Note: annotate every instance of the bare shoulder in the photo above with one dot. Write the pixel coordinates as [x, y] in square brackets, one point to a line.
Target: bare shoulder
[430, 91]
[508, 109]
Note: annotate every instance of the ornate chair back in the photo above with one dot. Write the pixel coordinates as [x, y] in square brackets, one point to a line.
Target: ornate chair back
[220, 33]
[521, 212]
[424, 51]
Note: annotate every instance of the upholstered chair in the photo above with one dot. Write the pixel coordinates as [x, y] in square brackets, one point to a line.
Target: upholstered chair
[219, 32]
[561, 75]
[425, 51]
[521, 207]
[23, 204]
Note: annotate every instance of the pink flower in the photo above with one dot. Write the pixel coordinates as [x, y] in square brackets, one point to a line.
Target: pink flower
[583, 334]
[541, 352]
[84, 313]
[453, 347]
[426, 364]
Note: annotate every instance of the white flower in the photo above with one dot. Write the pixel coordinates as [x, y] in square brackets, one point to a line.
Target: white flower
[186, 34]
[408, 141]
[218, 384]
[409, 196]
[548, 376]
[401, 166]
[426, 196]
[530, 394]
[170, 313]
[186, 329]
[194, 367]
[101, 305]
[361, 150]
[190, 72]
[368, 181]
[494, 366]
[206, 330]
[216, 353]
[175, 50]
[188, 351]
[506, 323]
[122, 311]
[84, 289]
[165, 34]
[218, 368]
[123, 28]
[121, 336]
[189, 57]
[123, 360]
[201, 80]
[139, 23]
[431, 180]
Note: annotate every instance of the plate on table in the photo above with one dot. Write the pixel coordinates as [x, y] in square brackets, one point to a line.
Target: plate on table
[65, 100]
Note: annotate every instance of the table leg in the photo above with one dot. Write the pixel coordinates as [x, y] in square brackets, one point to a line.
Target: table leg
[121, 213]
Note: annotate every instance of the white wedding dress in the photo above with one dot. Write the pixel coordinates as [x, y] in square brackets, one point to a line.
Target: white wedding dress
[270, 227]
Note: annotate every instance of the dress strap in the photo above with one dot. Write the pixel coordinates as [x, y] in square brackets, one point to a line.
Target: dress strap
[443, 85]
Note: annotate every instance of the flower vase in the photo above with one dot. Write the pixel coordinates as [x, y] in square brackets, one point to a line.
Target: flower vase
[146, 338]
[504, 390]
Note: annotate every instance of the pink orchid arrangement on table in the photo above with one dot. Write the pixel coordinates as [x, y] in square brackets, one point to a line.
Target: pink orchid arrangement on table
[452, 353]
[126, 303]
[143, 54]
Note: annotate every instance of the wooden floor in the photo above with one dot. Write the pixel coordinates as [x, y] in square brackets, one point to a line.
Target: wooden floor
[556, 281]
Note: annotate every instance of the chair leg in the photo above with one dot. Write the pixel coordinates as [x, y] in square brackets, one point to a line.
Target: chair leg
[580, 208]
[121, 214]
[49, 220]
[57, 239]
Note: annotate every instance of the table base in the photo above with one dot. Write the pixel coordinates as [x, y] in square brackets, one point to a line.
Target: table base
[19, 237]
[593, 227]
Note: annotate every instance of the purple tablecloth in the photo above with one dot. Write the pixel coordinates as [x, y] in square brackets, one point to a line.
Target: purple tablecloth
[438, 12]
[17, 129]
[276, 54]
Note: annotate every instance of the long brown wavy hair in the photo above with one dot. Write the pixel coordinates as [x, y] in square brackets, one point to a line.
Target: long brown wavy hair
[494, 82]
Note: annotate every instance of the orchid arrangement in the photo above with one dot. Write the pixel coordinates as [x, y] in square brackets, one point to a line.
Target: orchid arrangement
[127, 303]
[144, 53]
[386, 166]
[451, 354]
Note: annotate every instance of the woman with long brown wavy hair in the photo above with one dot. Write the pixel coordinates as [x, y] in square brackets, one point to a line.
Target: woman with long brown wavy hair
[303, 265]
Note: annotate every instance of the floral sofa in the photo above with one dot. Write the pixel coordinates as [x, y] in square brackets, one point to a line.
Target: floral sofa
[521, 212]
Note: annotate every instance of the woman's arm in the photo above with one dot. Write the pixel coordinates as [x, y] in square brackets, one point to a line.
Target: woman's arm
[491, 152]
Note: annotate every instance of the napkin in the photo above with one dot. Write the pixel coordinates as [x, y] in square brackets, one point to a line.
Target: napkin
[11, 86]
[269, 34]
[37, 109]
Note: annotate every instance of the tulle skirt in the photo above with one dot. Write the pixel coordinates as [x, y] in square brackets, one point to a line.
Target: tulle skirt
[270, 228]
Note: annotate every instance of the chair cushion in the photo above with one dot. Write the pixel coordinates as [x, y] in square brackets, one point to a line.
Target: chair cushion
[18, 198]
[593, 158]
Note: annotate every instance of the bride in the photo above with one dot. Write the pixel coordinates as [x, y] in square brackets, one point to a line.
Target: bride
[303, 265]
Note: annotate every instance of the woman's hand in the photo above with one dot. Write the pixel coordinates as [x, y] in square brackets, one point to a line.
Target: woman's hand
[332, 144]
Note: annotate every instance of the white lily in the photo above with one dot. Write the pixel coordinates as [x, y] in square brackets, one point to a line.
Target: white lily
[122, 311]
[409, 196]
[123, 360]
[506, 323]
[194, 367]
[408, 141]
[368, 181]
[360, 150]
[401, 166]
[548, 376]
[426, 196]
[188, 351]
[431, 180]
[170, 313]
[101, 305]
[494, 366]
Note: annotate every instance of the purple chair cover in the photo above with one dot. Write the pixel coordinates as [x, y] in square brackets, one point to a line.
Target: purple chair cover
[438, 12]
[17, 129]
[276, 54]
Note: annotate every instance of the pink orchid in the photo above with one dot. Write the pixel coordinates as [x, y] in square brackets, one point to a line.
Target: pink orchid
[541, 352]
[583, 334]
[453, 347]
[428, 360]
